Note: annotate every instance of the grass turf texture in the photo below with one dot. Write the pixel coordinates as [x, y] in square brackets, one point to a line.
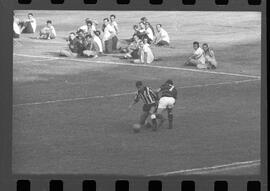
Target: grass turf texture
[213, 124]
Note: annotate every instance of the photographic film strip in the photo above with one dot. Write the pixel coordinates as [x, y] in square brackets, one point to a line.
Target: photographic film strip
[133, 95]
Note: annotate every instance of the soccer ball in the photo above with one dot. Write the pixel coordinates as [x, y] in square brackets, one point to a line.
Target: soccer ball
[136, 128]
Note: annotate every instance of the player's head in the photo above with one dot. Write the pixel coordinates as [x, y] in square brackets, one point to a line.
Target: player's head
[143, 19]
[86, 20]
[205, 46]
[158, 26]
[196, 45]
[142, 26]
[80, 33]
[88, 37]
[145, 40]
[97, 33]
[135, 38]
[112, 17]
[106, 21]
[139, 85]
[49, 23]
[170, 82]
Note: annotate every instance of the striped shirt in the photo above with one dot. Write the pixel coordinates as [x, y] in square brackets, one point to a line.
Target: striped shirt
[147, 95]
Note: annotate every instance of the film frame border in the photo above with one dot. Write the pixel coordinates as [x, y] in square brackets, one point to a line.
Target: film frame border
[107, 182]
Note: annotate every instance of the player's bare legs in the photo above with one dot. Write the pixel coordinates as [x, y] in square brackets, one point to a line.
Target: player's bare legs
[143, 118]
[153, 117]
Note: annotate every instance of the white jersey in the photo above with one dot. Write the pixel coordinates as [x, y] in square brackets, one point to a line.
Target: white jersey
[163, 35]
[199, 53]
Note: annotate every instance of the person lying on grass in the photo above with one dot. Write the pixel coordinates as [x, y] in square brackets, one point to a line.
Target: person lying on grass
[197, 58]
[145, 52]
[48, 32]
[210, 58]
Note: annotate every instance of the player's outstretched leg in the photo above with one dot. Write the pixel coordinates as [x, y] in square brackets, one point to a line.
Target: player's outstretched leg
[170, 118]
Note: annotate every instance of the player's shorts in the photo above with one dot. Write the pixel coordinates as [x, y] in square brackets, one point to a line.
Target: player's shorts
[147, 107]
[166, 102]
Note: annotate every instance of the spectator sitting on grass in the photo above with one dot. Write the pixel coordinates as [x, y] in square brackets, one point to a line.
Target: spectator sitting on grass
[146, 54]
[210, 58]
[149, 33]
[91, 48]
[162, 37]
[75, 46]
[133, 48]
[144, 20]
[48, 32]
[197, 58]
[16, 28]
[30, 25]
[88, 26]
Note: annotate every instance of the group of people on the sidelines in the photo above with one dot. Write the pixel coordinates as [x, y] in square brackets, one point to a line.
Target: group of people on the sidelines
[29, 26]
[202, 57]
[155, 102]
[87, 41]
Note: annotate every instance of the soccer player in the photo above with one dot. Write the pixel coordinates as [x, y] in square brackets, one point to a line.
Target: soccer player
[162, 37]
[210, 58]
[197, 58]
[149, 98]
[48, 32]
[168, 96]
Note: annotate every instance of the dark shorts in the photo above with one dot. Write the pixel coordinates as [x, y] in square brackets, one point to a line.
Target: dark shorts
[147, 107]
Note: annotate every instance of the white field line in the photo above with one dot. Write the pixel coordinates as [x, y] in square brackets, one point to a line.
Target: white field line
[145, 65]
[25, 61]
[127, 93]
[216, 168]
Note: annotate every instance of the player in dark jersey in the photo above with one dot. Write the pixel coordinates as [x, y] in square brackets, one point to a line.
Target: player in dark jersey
[168, 95]
[149, 98]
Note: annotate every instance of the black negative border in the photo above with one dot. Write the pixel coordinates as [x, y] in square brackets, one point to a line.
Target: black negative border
[107, 182]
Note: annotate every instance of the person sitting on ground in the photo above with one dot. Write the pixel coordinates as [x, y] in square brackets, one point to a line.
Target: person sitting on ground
[88, 26]
[141, 31]
[149, 33]
[197, 58]
[109, 33]
[162, 37]
[133, 48]
[91, 48]
[114, 25]
[75, 47]
[96, 39]
[16, 28]
[146, 54]
[30, 25]
[144, 20]
[210, 58]
[48, 32]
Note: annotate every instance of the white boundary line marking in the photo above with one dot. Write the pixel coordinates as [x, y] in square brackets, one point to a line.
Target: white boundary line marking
[144, 65]
[128, 93]
[215, 168]
[25, 61]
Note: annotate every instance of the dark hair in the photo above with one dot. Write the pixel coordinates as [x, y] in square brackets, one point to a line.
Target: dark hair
[97, 33]
[106, 19]
[169, 82]
[143, 18]
[205, 44]
[159, 25]
[139, 83]
[72, 33]
[113, 16]
[89, 22]
[49, 21]
[80, 30]
[135, 26]
[196, 42]
[88, 36]
[30, 14]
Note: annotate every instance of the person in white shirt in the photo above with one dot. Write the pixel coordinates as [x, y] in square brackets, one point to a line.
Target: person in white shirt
[48, 32]
[16, 28]
[108, 34]
[88, 27]
[162, 37]
[209, 55]
[114, 24]
[97, 40]
[197, 58]
[30, 25]
[146, 54]
[149, 33]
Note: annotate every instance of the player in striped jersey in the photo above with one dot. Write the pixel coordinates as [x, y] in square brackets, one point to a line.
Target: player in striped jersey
[168, 96]
[149, 98]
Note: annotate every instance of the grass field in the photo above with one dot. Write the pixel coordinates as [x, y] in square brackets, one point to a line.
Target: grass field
[70, 114]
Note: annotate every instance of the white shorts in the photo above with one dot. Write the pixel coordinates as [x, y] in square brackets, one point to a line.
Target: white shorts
[166, 102]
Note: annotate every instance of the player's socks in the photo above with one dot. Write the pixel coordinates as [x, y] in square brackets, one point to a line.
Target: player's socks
[161, 118]
[154, 122]
[170, 118]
